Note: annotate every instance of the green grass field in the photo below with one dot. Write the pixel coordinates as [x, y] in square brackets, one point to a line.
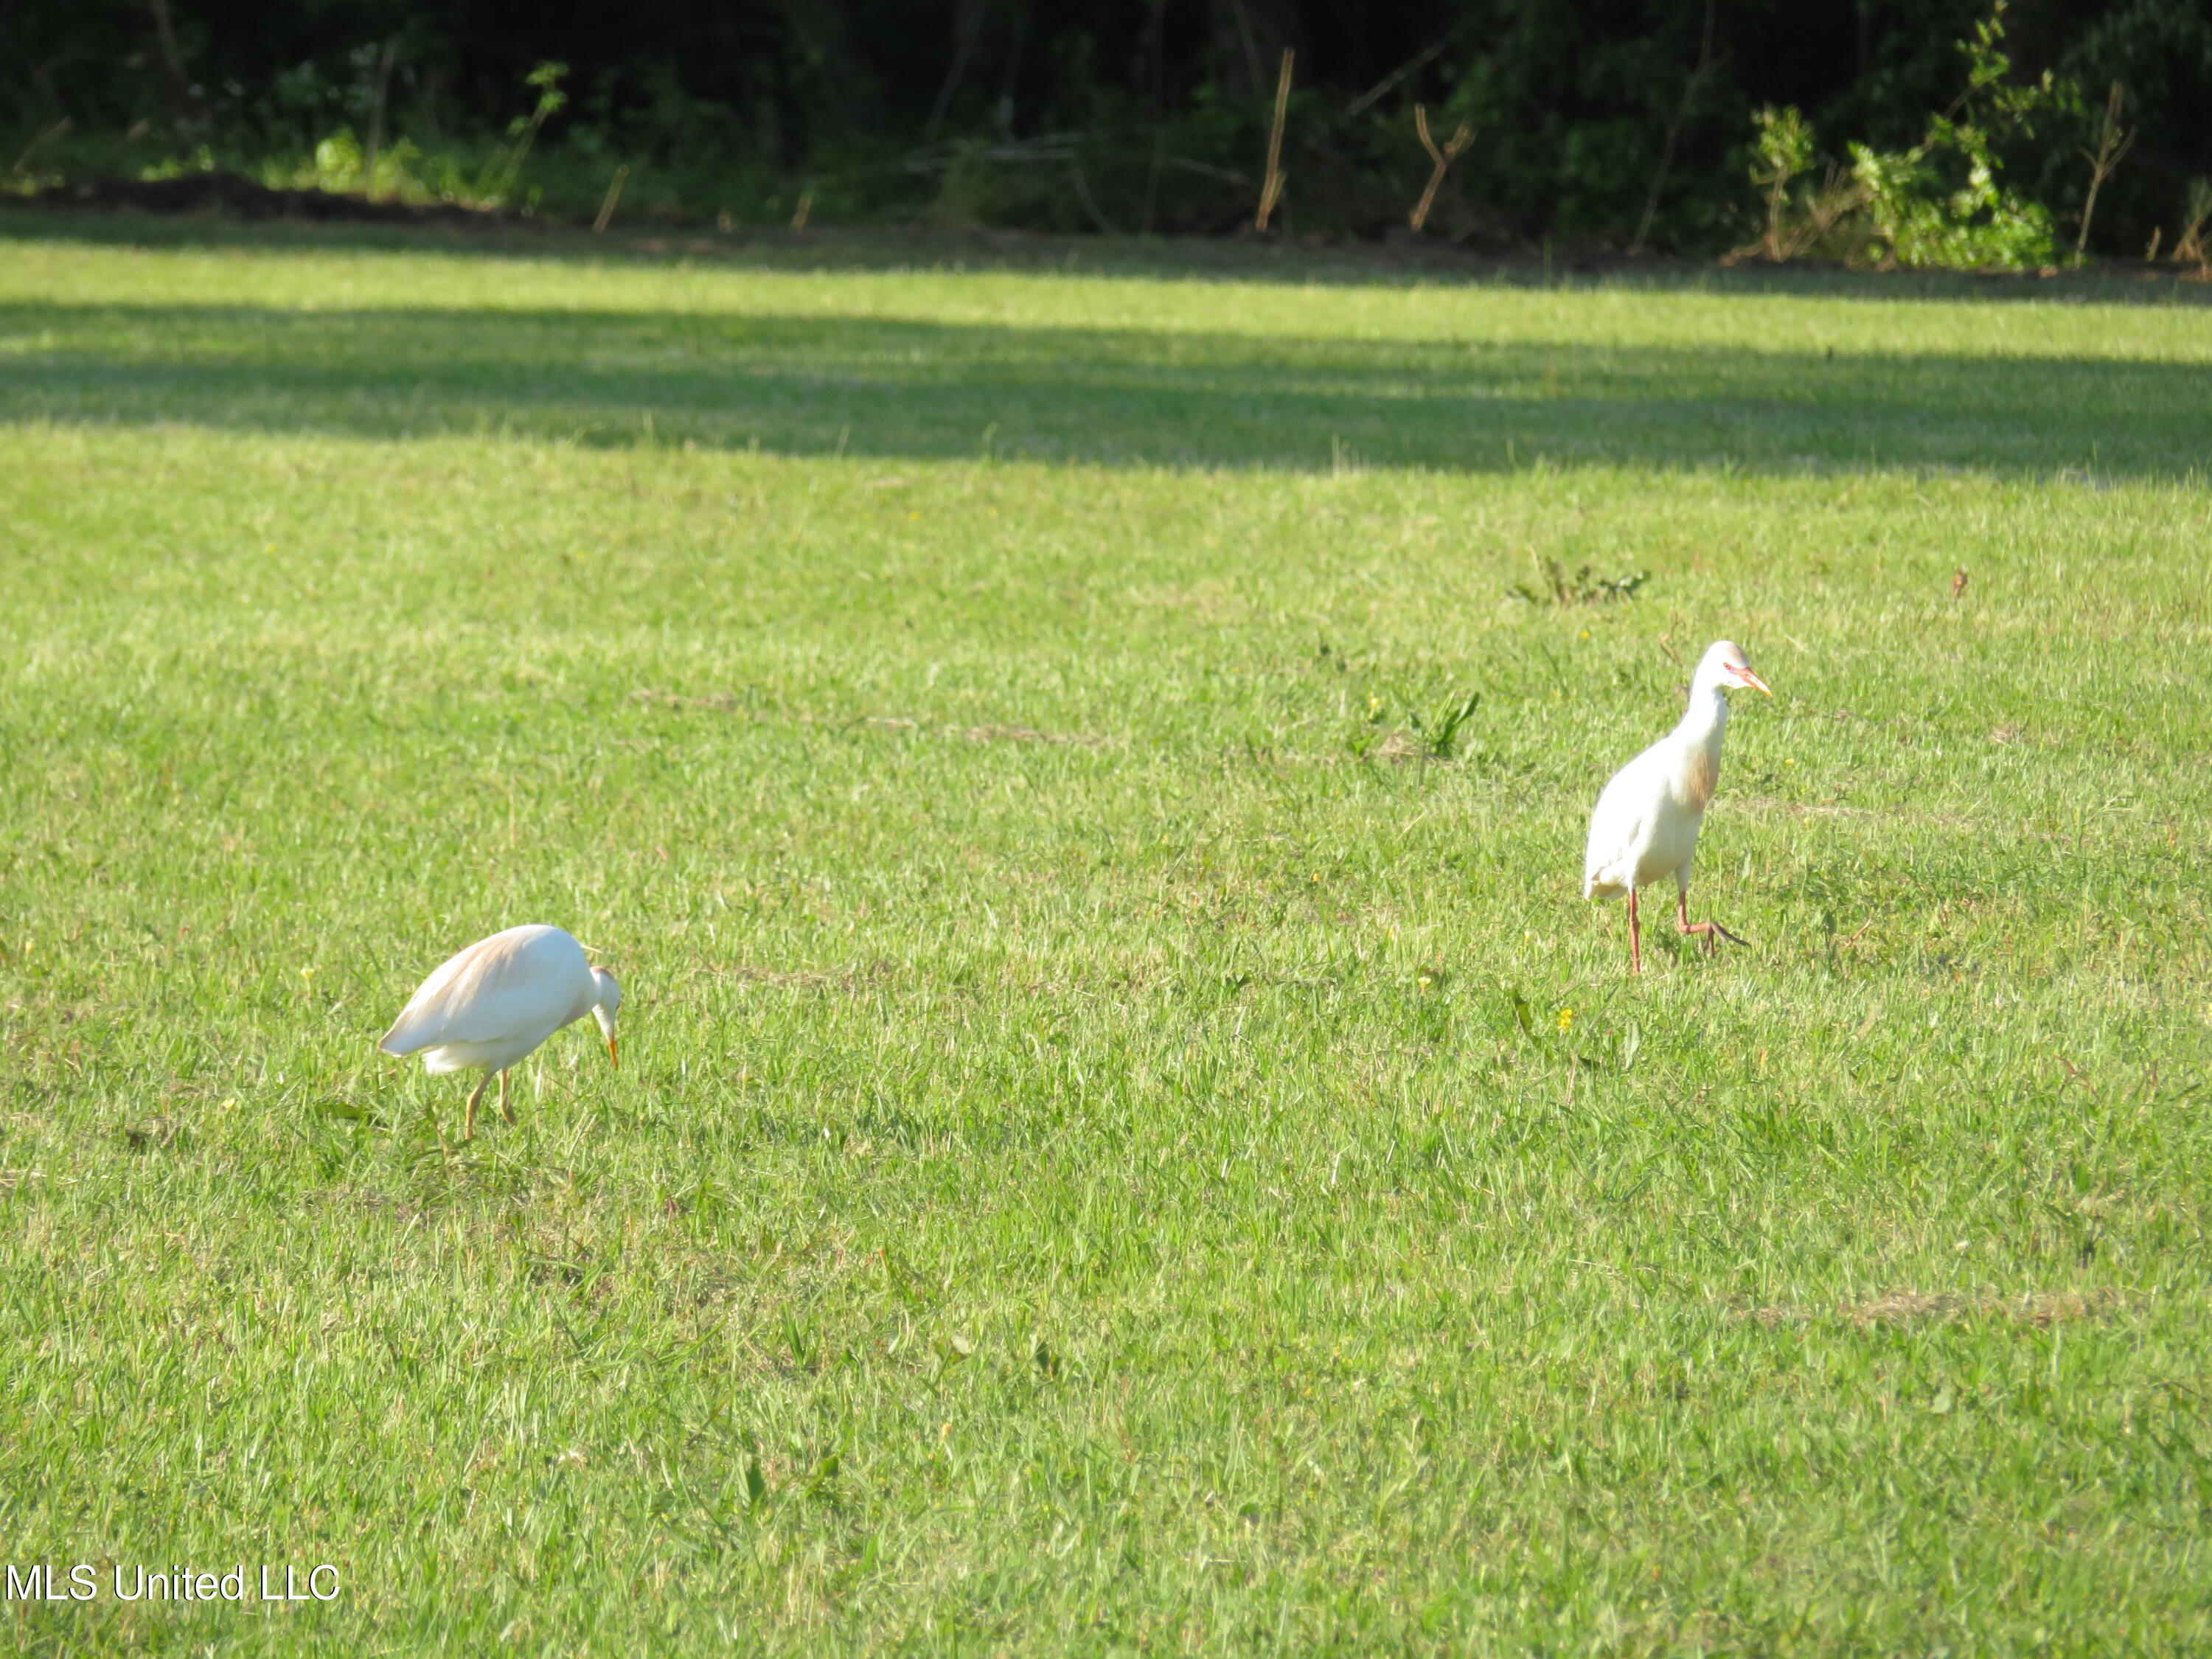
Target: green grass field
[1126, 1141]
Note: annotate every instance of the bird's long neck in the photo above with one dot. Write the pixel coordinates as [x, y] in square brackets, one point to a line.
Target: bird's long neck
[1704, 720]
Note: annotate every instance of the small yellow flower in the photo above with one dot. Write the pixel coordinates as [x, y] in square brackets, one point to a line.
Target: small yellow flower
[1567, 1019]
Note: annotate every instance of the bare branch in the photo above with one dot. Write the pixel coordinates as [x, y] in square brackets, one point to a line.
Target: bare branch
[1707, 65]
[2113, 146]
[1272, 190]
[1441, 161]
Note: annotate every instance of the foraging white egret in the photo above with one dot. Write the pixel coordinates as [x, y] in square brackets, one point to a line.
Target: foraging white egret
[495, 1002]
[1645, 825]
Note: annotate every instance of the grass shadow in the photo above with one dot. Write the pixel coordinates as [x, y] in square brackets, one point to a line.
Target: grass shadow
[1240, 260]
[892, 389]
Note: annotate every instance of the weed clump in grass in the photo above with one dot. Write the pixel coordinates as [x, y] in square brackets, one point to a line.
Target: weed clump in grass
[1560, 589]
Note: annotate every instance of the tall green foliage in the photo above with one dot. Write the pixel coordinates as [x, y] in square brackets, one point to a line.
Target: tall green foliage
[1921, 214]
[1601, 122]
[1943, 202]
[1919, 224]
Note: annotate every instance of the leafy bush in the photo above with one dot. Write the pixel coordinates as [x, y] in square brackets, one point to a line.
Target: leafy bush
[1941, 204]
[336, 164]
[1819, 221]
[1979, 226]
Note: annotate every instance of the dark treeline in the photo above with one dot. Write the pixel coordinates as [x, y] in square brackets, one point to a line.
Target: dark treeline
[1607, 122]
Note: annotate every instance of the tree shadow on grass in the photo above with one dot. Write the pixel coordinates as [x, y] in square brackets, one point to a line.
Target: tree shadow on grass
[894, 389]
[1237, 259]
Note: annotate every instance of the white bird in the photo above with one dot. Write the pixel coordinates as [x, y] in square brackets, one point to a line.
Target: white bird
[1645, 825]
[495, 1002]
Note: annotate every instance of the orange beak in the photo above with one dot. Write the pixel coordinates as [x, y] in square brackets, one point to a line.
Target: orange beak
[1751, 679]
[612, 1055]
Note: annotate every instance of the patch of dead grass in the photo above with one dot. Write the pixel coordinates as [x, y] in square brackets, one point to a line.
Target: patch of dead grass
[2038, 1310]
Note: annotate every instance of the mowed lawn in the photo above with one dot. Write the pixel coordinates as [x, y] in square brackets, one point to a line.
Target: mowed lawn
[1128, 1140]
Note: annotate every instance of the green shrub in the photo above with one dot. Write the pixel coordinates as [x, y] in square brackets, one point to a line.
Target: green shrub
[1941, 203]
[1979, 226]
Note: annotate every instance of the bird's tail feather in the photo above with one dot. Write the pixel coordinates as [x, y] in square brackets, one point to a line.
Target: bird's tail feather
[401, 1038]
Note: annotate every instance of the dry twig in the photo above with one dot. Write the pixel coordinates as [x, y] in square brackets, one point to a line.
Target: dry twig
[2112, 144]
[1442, 159]
[2189, 247]
[1419, 60]
[614, 195]
[376, 117]
[1272, 190]
[1702, 71]
[45, 138]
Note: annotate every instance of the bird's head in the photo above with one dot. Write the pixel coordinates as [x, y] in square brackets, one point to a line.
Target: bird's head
[1723, 667]
[603, 1009]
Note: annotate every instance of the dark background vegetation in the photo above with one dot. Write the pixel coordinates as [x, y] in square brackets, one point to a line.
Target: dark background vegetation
[1127, 115]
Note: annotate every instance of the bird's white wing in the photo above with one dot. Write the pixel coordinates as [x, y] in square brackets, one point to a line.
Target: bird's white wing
[1623, 808]
[524, 981]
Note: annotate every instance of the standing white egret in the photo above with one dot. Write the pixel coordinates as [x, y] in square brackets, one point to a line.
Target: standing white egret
[495, 1002]
[1646, 823]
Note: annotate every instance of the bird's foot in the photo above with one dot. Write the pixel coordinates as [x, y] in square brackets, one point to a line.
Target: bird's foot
[1713, 934]
[469, 1118]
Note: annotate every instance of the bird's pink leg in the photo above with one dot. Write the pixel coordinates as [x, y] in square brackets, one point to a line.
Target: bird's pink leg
[469, 1121]
[1713, 932]
[506, 1110]
[1635, 953]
